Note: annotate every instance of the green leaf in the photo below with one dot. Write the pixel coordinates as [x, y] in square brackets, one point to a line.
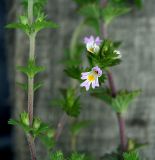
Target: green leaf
[23, 122]
[77, 127]
[31, 69]
[57, 156]
[90, 11]
[76, 156]
[131, 156]
[13, 122]
[24, 27]
[24, 86]
[121, 102]
[69, 102]
[39, 25]
[73, 72]
[111, 12]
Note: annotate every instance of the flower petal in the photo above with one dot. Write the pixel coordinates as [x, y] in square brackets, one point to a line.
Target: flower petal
[86, 84]
[98, 41]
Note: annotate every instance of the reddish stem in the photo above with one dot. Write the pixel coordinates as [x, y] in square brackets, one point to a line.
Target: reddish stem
[60, 126]
[121, 121]
[123, 138]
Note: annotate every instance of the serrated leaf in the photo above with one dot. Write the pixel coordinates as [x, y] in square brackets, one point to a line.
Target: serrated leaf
[110, 12]
[24, 86]
[76, 156]
[39, 25]
[24, 27]
[131, 156]
[13, 122]
[121, 102]
[57, 156]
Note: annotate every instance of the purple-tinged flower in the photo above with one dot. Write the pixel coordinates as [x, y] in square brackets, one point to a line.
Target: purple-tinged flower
[119, 56]
[91, 78]
[92, 44]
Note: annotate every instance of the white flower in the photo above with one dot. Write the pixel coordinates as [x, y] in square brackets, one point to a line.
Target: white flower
[92, 44]
[91, 78]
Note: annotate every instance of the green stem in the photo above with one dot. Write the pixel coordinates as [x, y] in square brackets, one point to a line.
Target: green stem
[30, 11]
[74, 38]
[73, 143]
[30, 138]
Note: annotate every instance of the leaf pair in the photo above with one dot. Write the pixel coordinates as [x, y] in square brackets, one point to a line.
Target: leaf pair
[31, 69]
[120, 103]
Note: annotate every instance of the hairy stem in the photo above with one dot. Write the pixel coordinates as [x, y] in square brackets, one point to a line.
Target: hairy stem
[123, 138]
[31, 144]
[30, 139]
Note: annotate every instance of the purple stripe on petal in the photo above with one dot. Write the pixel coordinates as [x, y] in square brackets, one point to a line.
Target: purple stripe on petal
[88, 86]
[84, 83]
[84, 77]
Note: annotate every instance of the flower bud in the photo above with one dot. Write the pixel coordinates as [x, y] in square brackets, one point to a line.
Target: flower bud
[36, 123]
[24, 118]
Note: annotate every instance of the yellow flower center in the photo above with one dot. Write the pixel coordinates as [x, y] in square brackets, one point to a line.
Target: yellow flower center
[91, 50]
[91, 77]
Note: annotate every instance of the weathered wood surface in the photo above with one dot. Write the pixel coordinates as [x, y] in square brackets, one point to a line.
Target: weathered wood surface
[137, 31]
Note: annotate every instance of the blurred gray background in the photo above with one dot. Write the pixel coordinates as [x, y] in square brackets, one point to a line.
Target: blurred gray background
[136, 30]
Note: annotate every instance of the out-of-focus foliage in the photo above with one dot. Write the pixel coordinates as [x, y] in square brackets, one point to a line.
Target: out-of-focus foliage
[70, 102]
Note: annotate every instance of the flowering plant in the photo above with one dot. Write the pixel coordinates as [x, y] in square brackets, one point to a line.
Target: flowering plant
[102, 54]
